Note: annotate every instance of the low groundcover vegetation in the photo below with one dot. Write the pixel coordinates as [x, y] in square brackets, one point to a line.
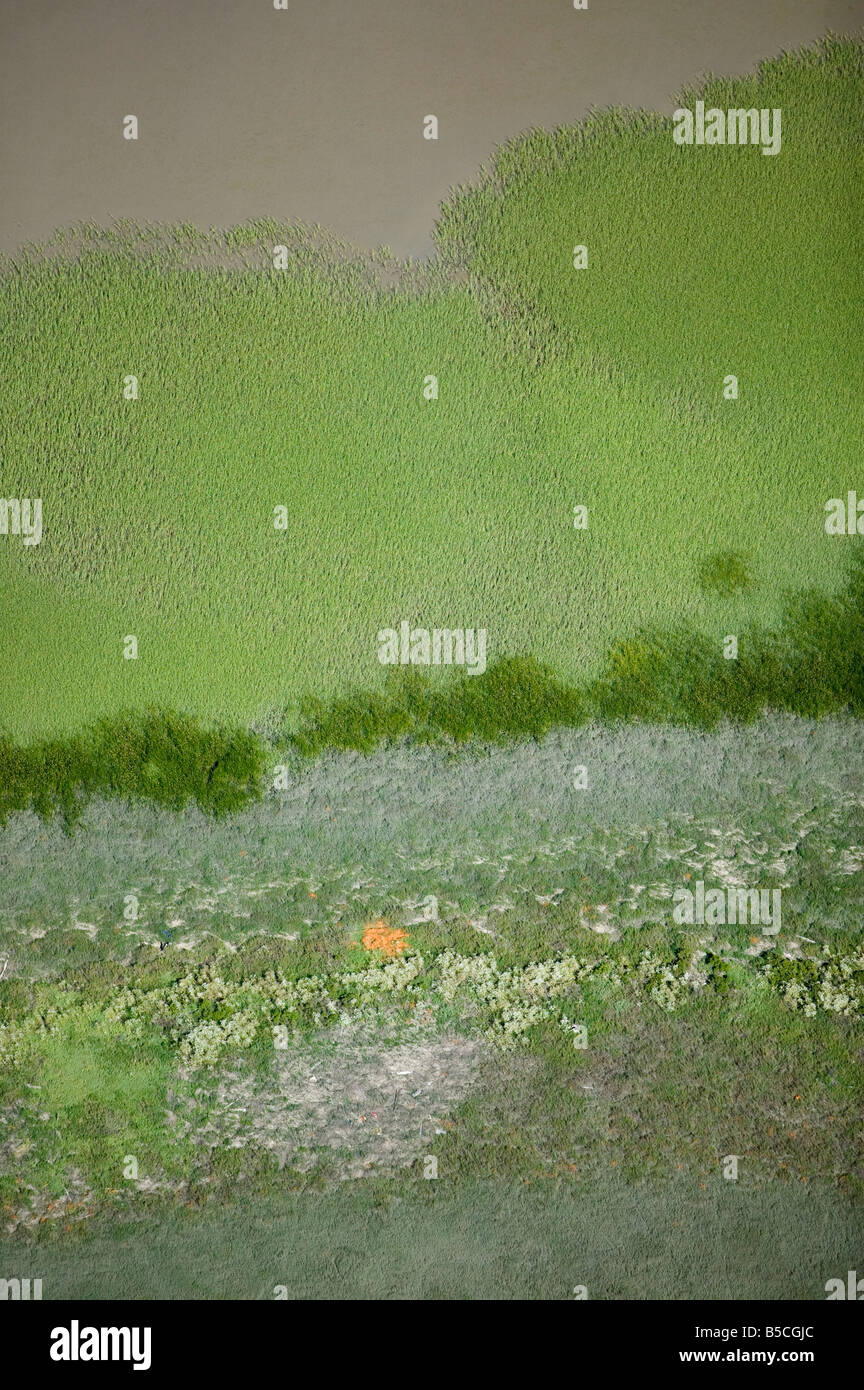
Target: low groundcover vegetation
[203, 1014]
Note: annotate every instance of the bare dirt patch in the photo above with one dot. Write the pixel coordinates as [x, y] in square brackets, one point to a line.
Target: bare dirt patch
[362, 1105]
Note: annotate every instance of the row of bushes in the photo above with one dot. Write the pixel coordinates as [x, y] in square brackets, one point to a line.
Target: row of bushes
[163, 757]
[515, 696]
[813, 665]
[203, 1013]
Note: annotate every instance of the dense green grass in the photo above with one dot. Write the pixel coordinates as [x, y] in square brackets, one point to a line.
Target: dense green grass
[702, 260]
[480, 1241]
[304, 388]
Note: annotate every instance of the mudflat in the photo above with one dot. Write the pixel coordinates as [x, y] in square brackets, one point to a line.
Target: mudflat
[316, 112]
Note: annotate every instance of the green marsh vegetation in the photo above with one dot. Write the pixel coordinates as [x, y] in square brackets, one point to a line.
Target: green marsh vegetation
[726, 572]
[168, 759]
[470, 1240]
[632, 1130]
[717, 258]
[303, 388]
[757, 1054]
[361, 836]
[812, 666]
[549, 903]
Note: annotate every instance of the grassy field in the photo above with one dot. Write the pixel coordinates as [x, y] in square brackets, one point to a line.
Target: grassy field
[708, 260]
[481, 829]
[148, 1034]
[304, 388]
[418, 1020]
[603, 1167]
[479, 1241]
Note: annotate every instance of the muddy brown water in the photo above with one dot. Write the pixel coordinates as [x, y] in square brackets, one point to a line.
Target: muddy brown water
[316, 112]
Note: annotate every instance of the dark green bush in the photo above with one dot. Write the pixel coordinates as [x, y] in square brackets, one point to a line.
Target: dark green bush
[159, 756]
[362, 721]
[825, 635]
[814, 665]
[516, 696]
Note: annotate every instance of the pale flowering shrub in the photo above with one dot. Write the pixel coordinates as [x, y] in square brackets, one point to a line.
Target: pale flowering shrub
[667, 988]
[204, 1044]
[833, 983]
[455, 972]
[239, 1009]
[796, 997]
[669, 982]
[553, 977]
[202, 1013]
[134, 1010]
[516, 998]
[835, 1000]
[508, 1026]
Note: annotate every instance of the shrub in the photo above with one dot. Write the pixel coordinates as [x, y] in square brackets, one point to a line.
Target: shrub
[161, 756]
[814, 665]
[515, 696]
